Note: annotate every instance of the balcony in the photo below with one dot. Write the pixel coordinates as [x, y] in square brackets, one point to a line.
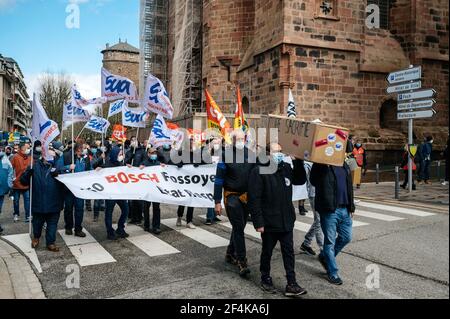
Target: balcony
[19, 108]
[17, 123]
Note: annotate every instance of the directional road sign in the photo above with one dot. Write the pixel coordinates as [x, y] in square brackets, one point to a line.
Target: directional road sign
[422, 94]
[421, 104]
[410, 74]
[404, 87]
[415, 115]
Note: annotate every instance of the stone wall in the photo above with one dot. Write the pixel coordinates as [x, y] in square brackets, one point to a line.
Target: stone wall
[123, 64]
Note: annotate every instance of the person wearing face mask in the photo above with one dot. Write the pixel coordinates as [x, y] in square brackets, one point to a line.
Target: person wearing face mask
[273, 215]
[6, 178]
[215, 152]
[58, 148]
[20, 162]
[359, 153]
[164, 153]
[152, 160]
[134, 157]
[37, 150]
[46, 204]
[232, 177]
[425, 155]
[9, 152]
[73, 206]
[115, 159]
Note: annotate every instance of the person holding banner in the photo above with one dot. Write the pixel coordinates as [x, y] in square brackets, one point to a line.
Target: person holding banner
[233, 178]
[98, 158]
[152, 160]
[134, 157]
[116, 158]
[47, 201]
[273, 215]
[73, 206]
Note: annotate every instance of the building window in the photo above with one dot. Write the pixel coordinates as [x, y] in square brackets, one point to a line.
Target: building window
[384, 6]
[326, 9]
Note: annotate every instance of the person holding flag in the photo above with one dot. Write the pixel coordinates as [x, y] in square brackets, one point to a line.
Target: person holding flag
[216, 119]
[239, 118]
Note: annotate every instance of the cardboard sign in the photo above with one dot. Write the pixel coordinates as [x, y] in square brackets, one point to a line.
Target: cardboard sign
[356, 176]
[314, 142]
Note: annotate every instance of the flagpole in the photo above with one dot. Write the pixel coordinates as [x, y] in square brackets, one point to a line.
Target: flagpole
[73, 142]
[31, 192]
[80, 132]
[134, 150]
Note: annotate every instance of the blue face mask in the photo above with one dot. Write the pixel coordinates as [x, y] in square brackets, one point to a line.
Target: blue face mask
[2, 154]
[166, 147]
[358, 144]
[153, 157]
[278, 157]
[94, 151]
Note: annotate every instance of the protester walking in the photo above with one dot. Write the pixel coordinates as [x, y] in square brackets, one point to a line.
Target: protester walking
[6, 178]
[214, 155]
[273, 215]
[335, 203]
[134, 157]
[425, 154]
[47, 200]
[232, 177]
[20, 162]
[315, 230]
[404, 164]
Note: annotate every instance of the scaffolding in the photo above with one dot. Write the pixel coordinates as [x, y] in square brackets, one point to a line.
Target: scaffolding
[187, 60]
[153, 40]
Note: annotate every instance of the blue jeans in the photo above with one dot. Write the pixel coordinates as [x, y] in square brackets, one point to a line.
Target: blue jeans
[424, 174]
[210, 214]
[71, 203]
[110, 204]
[98, 204]
[52, 225]
[2, 197]
[26, 201]
[335, 223]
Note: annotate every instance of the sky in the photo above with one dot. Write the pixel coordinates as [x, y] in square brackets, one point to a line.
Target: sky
[38, 35]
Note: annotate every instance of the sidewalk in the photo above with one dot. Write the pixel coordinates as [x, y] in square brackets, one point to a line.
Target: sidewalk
[435, 194]
[17, 278]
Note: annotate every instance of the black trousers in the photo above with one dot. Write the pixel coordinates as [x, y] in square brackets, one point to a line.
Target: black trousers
[269, 241]
[136, 209]
[156, 222]
[237, 213]
[405, 181]
[189, 215]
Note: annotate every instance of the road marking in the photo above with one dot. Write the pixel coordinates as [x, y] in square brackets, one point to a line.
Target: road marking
[396, 209]
[356, 223]
[23, 242]
[248, 230]
[149, 244]
[378, 216]
[303, 227]
[200, 235]
[87, 251]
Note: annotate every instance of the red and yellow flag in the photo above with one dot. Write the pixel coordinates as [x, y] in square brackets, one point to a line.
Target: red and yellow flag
[216, 119]
[239, 118]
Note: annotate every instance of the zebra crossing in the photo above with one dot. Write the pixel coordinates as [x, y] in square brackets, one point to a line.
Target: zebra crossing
[89, 252]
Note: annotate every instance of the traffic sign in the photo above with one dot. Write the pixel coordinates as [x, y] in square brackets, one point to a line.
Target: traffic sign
[404, 87]
[421, 104]
[415, 115]
[423, 94]
[410, 74]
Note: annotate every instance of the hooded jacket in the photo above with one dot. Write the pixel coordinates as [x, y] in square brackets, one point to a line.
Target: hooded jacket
[20, 162]
[6, 175]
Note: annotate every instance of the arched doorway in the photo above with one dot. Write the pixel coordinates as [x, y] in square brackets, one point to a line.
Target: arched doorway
[245, 105]
[388, 115]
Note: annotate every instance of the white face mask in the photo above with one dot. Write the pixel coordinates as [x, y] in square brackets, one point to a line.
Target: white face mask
[38, 149]
[216, 147]
[120, 158]
[27, 152]
[240, 145]
[85, 152]
[51, 153]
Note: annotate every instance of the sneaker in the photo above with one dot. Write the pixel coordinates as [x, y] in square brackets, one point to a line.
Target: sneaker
[267, 285]
[179, 223]
[190, 225]
[229, 258]
[444, 183]
[323, 263]
[217, 219]
[335, 280]
[80, 234]
[208, 222]
[308, 250]
[403, 186]
[122, 234]
[112, 237]
[156, 231]
[27, 220]
[69, 232]
[294, 290]
[302, 211]
[243, 268]
[16, 218]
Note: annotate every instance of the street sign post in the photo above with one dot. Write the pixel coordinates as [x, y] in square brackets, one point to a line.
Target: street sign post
[410, 74]
[422, 104]
[415, 115]
[422, 94]
[404, 87]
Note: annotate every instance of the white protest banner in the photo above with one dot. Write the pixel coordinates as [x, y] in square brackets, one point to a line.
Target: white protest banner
[97, 124]
[156, 98]
[79, 115]
[116, 107]
[187, 186]
[162, 135]
[133, 117]
[117, 87]
[81, 102]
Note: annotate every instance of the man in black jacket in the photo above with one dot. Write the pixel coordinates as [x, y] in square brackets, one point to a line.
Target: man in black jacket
[335, 204]
[134, 157]
[273, 215]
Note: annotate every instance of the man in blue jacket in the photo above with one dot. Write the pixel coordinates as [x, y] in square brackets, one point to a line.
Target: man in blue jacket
[425, 155]
[47, 202]
[6, 178]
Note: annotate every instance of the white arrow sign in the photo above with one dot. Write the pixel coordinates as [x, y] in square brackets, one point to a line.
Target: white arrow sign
[404, 87]
[417, 95]
[405, 75]
[416, 105]
[416, 115]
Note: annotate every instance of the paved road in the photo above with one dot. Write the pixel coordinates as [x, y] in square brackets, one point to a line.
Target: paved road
[408, 246]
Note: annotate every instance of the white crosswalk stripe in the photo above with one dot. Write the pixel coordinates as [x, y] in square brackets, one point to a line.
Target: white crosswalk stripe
[396, 209]
[378, 216]
[149, 244]
[356, 223]
[23, 242]
[248, 230]
[87, 251]
[200, 235]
